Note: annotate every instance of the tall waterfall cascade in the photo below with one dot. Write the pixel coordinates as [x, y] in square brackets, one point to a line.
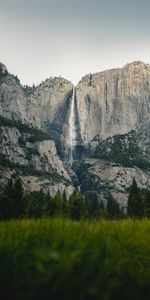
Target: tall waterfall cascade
[72, 127]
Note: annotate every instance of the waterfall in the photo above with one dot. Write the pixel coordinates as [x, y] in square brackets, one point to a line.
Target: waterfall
[72, 132]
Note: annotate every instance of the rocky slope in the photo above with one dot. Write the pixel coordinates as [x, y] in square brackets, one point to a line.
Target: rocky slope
[100, 177]
[45, 106]
[29, 152]
[112, 119]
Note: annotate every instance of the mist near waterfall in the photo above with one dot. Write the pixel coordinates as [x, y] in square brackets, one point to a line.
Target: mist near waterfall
[72, 131]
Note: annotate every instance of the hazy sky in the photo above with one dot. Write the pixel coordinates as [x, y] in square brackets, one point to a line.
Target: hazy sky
[42, 38]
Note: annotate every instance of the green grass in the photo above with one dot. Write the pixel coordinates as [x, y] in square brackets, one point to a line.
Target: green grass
[62, 259]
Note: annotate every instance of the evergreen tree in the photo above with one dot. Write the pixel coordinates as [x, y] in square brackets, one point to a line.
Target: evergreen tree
[64, 204]
[58, 203]
[92, 205]
[8, 190]
[7, 204]
[77, 206]
[135, 207]
[48, 208]
[35, 204]
[112, 208]
[147, 203]
[102, 210]
[17, 198]
[11, 201]
[101, 205]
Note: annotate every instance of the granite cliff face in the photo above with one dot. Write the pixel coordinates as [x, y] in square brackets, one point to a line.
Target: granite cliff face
[101, 177]
[114, 102]
[25, 149]
[30, 153]
[112, 125]
[45, 106]
[115, 129]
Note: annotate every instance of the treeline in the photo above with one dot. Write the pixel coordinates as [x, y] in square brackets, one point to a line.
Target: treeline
[16, 203]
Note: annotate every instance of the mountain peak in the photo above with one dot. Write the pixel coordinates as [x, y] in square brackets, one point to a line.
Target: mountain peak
[3, 68]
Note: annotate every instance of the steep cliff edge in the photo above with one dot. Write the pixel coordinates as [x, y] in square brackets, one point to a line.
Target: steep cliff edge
[114, 102]
[45, 106]
[112, 126]
[115, 130]
[29, 153]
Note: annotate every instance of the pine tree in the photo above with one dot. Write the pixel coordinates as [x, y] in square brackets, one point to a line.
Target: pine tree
[147, 203]
[35, 205]
[48, 205]
[112, 208]
[8, 190]
[135, 207]
[77, 206]
[58, 203]
[64, 204]
[7, 205]
[5, 201]
[17, 198]
[92, 205]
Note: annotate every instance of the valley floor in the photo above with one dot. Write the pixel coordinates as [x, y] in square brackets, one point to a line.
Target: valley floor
[62, 259]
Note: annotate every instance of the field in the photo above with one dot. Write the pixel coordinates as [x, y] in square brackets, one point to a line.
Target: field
[62, 259]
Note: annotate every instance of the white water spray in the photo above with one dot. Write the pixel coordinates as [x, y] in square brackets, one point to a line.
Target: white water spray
[72, 132]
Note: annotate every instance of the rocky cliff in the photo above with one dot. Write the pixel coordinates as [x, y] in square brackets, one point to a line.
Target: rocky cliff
[114, 102]
[30, 153]
[44, 106]
[112, 125]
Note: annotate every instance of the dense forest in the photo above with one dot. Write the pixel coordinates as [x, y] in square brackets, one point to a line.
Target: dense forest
[17, 203]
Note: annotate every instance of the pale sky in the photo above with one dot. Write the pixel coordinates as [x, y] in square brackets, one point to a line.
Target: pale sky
[71, 38]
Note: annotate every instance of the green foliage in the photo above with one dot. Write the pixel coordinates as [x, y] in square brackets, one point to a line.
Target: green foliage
[36, 135]
[113, 208]
[147, 203]
[4, 162]
[135, 202]
[27, 170]
[11, 200]
[49, 206]
[62, 259]
[17, 203]
[77, 206]
[122, 149]
[35, 204]
[58, 203]
[31, 152]
[95, 208]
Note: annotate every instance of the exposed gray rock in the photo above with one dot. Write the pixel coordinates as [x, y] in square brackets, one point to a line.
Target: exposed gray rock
[101, 177]
[3, 69]
[109, 106]
[114, 102]
[37, 163]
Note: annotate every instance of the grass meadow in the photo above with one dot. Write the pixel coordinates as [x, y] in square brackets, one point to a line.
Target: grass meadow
[63, 259]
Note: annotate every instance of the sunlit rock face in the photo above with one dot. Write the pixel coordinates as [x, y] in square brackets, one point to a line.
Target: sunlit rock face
[45, 106]
[114, 102]
[108, 113]
[36, 162]
[107, 103]
[100, 177]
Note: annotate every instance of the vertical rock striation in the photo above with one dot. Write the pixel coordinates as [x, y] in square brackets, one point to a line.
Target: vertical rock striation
[111, 121]
[114, 102]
